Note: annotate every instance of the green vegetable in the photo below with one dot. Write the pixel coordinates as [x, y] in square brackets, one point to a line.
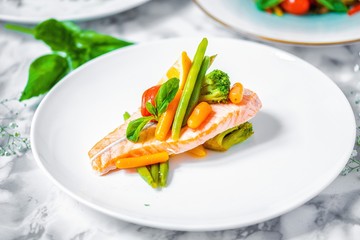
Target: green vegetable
[194, 99]
[215, 87]
[134, 128]
[164, 96]
[154, 170]
[163, 173]
[334, 5]
[230, 137]
[188, 89]
[126, 116]
[146, 175]
[265, 4]
[71, 48]
[44, 73]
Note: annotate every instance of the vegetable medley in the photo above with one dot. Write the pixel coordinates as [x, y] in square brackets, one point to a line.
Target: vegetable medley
[301, 7]
[184, 99]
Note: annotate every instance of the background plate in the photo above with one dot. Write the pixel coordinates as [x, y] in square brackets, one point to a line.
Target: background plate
[35, 11]
[243, 16]
[296, 151]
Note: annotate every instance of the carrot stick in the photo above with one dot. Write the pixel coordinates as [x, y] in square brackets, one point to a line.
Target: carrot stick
[166, 119]
[133, 162]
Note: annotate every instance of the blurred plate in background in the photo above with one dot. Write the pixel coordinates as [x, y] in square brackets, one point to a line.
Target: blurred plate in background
[32, 12]
[243, 17]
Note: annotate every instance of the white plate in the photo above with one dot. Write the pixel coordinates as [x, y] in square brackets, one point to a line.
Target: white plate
[303, 137]
[35, 11]
[243, 16]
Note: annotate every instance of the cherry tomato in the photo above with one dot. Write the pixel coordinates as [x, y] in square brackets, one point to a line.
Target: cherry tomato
[297, 7]
[148, 96]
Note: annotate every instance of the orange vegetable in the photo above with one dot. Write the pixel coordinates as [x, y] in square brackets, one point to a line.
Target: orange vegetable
[236, 93]
[199, 151]
[199, 114]
[133, 162]
[166, 119]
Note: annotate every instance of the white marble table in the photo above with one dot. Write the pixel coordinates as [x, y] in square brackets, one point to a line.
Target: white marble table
[31, 207]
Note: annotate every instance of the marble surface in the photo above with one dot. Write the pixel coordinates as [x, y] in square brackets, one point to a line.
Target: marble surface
[31, 207]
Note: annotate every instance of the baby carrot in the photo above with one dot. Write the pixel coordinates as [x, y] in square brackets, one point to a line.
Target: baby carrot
[166, 119]
[145, 160]
[236, 93]
[199, 114]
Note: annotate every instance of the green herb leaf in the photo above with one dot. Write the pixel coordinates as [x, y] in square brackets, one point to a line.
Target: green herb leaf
[334, 5]
[44, 73]
[72, 47]
[57, 35]
[151, 109]
[265, 4]
[99, 44]
[134, 128]
[166, 94]
[126, 116]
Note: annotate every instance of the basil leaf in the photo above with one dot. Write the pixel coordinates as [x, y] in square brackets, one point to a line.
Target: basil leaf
[334, 5]
[265, 4]
[151, 109]
[166, 94]
[77, 47]
[56, 35]
[134, 128]
[99, 44]
[44, 73]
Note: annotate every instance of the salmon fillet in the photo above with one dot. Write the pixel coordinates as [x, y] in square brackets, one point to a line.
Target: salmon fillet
[224, 116]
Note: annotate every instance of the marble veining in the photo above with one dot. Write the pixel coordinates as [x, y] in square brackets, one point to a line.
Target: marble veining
[31, 207]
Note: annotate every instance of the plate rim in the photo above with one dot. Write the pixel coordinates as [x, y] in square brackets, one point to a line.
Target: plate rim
[73, 17]
[269, 39]
[172, 226]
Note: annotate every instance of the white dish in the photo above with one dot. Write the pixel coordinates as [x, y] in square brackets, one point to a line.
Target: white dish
[243, 16]
[297, 150]
[35, 11]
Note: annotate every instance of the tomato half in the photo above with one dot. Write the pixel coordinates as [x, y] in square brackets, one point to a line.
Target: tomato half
[297, 7]
[148, 96]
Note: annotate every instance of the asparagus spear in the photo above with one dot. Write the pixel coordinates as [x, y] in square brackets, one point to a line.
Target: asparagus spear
[188, 88]
[163, 173]
[194, 99]
[146, 175]
[154, 170]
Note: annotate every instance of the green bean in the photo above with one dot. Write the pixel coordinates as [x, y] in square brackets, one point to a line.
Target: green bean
[154, 170]
[194, 99]
[163, 173]
[188, 88]
[146, 175]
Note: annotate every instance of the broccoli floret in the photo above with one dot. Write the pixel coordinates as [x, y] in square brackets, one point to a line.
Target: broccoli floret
[215, 87]
[230, 137]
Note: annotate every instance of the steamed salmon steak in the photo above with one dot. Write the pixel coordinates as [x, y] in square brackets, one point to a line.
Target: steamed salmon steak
[115, 146]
